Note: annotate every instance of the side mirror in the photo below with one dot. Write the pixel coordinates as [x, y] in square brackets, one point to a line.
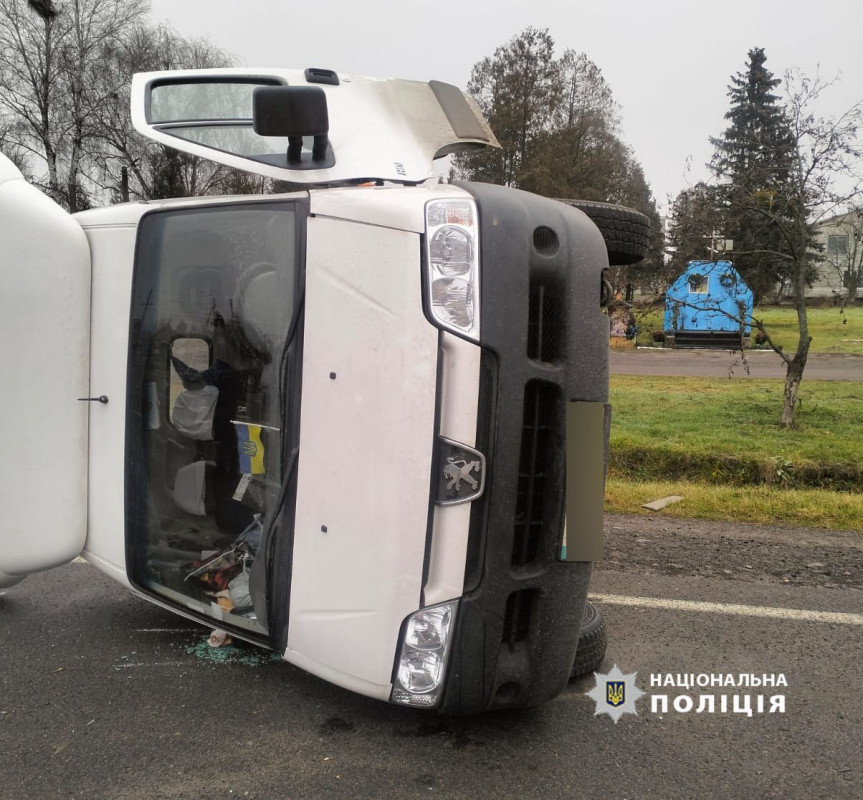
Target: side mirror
[295, 112]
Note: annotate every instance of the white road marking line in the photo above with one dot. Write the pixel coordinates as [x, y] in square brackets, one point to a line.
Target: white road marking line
[154, 664]
[798, 614]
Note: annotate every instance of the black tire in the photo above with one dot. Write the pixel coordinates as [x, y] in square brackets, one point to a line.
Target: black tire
[625, 230]
[592, 642]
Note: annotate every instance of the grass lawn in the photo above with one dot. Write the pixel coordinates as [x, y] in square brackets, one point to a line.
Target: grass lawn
[811, 508]
[721, 440]
[738, 418]
[832, 331]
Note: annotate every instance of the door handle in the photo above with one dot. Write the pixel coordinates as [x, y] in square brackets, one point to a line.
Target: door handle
[100, 399]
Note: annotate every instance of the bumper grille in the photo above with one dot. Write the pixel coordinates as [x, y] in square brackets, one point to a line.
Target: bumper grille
[537, 462]
[545, 322]
[519, 615]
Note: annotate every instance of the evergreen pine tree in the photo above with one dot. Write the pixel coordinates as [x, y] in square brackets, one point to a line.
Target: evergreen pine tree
[693, 227]
[752, 163]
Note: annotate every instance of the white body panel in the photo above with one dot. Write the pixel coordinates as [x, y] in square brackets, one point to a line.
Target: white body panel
[44, 350]
[111, 233]
[379, 205]
[355, 582]
[386, 129]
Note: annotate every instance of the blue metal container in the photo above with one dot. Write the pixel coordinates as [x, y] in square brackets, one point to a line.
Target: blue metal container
[709, 305]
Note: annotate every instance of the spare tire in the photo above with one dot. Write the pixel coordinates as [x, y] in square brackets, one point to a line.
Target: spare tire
[625, 230]
[592, 642]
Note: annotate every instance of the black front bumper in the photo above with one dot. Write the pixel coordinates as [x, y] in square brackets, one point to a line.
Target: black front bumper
[545, 344]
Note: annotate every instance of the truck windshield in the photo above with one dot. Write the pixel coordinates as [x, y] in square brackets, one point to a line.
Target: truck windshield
[212, 299]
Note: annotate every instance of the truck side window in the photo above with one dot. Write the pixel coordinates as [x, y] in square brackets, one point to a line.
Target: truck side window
[212, 299]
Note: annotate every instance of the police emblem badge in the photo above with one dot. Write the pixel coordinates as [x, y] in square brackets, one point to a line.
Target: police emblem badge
[615, 693]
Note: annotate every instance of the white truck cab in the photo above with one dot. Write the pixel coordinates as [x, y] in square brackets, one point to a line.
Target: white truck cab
[342, 422]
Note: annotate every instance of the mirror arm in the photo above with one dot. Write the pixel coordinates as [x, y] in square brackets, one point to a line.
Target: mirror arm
[319, 149]
[295, 149]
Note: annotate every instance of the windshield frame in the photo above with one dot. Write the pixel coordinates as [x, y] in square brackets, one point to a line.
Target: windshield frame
[141, 519]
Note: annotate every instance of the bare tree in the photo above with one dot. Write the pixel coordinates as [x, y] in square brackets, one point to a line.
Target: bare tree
[30, 89]
[151, 170]
[95, 26]
[821, 177]
[824, 178]
[9, 145]
[64, 100]
[52, 57]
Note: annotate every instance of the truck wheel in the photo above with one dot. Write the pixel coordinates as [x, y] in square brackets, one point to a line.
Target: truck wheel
[625, 230]
[591, 642]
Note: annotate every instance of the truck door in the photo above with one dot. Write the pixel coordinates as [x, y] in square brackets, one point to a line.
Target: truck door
[311, 126]
[212, 379]
[45, 351]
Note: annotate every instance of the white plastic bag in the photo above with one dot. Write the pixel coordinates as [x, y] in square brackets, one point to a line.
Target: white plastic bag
[193, 412]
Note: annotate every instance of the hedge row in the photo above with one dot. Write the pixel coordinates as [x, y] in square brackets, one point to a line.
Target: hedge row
[664, 464]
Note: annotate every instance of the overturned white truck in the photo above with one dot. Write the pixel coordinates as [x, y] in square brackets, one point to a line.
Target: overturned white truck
[347, 423]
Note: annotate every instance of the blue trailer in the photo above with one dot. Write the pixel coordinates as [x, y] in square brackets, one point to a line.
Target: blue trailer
[709, 305]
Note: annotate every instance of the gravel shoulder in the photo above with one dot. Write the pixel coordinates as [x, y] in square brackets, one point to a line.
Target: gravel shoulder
[656, 545]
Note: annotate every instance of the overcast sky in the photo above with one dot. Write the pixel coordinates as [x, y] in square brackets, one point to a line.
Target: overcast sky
[668, 62]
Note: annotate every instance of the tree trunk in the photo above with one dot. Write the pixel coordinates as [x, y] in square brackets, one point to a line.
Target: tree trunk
[53, 176]
[795, 367]
[74, 168]
[793, 377]
[72, 191]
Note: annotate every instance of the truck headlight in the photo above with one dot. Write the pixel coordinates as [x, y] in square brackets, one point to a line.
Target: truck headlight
[452, 265]
[422, 661]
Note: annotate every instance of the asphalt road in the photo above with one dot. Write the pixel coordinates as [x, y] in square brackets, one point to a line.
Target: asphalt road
[724, 363]
[106, 696]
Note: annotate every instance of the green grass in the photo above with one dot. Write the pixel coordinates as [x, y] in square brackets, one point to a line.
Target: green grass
[755, 504]
[832, 330]
[718, 443]
[723, 431]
